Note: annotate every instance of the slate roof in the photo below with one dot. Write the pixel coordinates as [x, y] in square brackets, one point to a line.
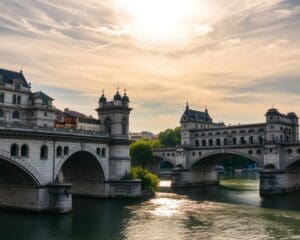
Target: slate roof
[8, 76]
[197, 115]
[41, 95]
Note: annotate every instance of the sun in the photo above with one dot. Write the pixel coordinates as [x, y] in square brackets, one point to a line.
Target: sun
[158, 20]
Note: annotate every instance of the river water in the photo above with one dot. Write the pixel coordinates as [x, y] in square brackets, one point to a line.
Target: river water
[233, 210]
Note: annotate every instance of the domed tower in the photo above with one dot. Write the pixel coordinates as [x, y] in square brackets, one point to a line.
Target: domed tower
[114, 115]
[295, 126]
[273, 126]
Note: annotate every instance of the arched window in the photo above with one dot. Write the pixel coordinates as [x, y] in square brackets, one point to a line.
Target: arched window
[225, 141]
[203, 142]
[210, 142]
[218, 142]
[108, 124]
[59, 151]
[234, 141]
[103, 152]
[1, 113]
[251, 140]
[242, 140]
[16, 115]
[281, 138]
[197, 143]
[2, 96]
[98, 150]
[24, 150]
[66, 150]
[44, 152]
[260, 139]
[233, 132]
[14, 150]
[124, 126]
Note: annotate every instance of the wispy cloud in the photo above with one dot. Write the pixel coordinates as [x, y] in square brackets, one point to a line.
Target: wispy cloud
[224, 54]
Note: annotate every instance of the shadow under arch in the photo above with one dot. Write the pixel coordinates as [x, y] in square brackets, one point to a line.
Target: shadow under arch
[18, 171]
[293, 166]
[85, 172]
[216, 157]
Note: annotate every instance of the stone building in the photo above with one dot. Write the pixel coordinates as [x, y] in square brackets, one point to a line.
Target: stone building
[19, 105]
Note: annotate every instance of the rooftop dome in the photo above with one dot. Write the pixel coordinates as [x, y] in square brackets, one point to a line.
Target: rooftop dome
[292, 115]
[102, 99]
[118, 97]
[125, 98]
[273, 111]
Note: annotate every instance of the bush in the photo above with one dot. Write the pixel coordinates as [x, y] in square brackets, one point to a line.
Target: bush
[141, 153]
[149, 180]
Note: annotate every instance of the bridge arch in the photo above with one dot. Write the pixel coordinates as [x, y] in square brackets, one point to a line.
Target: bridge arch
[21, 167]
[85, 171]
[90, 152]
[293, 164]
[205, 158]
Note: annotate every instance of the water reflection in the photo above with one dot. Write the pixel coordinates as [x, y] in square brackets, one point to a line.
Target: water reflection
[230, 211]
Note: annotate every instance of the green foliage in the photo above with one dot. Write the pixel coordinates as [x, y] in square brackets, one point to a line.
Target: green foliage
[141, 153]
[149, 180]
[170, 137]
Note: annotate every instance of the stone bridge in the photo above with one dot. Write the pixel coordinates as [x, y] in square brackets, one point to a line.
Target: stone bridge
[273, 145]
[41, 168]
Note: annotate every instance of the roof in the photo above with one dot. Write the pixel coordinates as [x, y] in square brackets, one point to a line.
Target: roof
[76, 114]
[8, 76]
[41, 95]
[197, 115]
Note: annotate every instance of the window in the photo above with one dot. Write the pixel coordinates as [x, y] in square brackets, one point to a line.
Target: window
[108, 124]
[59, 151]
[289, 151]
[197, 143]
[1, 113]
[16, 115]
[225, 141]
[45, 102]
[103, 152]
[251, 140]
[66, 150]
[17, 86]
[124, 126]
[218, 142]
[203, 142]
[210, 142]
[234, 141]
[98, 150]
[258, 152]
[2, 96]
[24, 150]
[18, 99]
[45, 114]
[14, 99]
[14, 150]
[44, 152]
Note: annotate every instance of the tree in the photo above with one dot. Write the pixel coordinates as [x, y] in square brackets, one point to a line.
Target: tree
[141, 153]
[170, 137]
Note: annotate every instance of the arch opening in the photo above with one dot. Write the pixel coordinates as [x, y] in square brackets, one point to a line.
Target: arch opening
[230, 168]
[85, 173]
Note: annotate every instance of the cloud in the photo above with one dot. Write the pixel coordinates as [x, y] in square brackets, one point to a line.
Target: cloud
[228, 55]
[203, 30]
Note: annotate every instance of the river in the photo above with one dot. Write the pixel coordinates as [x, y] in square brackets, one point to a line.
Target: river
[232, 211]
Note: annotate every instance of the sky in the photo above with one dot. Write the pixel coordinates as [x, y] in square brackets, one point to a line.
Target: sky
[238, 57]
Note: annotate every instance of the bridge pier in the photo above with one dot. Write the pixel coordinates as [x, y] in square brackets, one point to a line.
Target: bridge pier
[276, 182]
[188, 178]
[50, 198]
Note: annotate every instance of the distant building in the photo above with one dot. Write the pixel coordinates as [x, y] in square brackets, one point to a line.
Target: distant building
[76, 120]
[19, 105]
[142, 135]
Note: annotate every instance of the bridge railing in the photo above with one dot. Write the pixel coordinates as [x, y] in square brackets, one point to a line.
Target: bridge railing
[7, 125]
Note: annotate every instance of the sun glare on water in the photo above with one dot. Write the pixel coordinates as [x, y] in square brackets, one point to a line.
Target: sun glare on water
[159, 20]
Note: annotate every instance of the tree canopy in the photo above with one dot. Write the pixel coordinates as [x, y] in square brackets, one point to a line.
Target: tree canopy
[170, 137]
[141, 153]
